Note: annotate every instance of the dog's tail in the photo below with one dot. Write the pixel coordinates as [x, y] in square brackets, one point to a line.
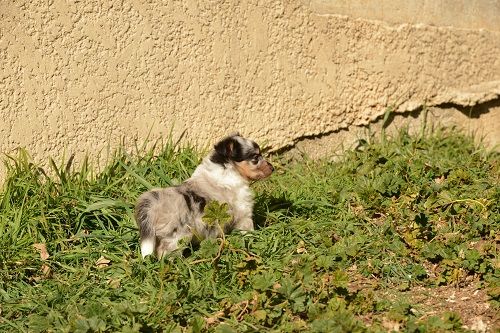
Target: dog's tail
[145, 223]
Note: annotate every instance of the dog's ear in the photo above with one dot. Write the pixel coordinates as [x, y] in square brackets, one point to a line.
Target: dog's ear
[224, 151]
[225, 147]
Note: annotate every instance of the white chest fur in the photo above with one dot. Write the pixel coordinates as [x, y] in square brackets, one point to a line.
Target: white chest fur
[224, 184]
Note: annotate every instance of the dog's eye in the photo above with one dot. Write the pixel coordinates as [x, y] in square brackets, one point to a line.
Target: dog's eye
[255, 160]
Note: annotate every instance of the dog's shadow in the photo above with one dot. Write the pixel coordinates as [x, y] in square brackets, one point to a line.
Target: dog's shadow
[266, 203]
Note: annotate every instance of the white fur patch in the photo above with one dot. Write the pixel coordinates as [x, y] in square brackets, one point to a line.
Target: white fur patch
[147, 247]
[226, 177]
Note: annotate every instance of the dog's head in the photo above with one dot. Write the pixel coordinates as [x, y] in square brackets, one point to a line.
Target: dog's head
[244, 154]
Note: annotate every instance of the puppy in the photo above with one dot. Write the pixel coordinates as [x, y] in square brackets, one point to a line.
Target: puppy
[167, 215]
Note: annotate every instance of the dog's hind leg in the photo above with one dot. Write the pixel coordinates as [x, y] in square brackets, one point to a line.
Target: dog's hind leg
[165, 246]
[145, 224]
[169, 234]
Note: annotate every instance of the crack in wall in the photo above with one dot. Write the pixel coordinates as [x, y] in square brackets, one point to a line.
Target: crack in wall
[419, 114]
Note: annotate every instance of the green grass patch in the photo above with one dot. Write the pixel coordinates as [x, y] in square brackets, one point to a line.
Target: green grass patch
[337, 243]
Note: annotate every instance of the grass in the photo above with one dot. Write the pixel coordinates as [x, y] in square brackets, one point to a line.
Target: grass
[338, 244]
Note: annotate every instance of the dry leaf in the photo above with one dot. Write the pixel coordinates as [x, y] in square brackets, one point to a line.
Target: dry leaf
[439, 180]
[102, 262]
[45, 270]
[215, 318]
[45, 273]
[391, 325]
[40, 247]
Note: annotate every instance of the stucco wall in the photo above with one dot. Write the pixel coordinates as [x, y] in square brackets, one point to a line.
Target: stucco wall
[80, 76]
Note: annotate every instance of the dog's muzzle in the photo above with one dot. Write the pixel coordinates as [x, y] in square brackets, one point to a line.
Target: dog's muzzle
[267, 169]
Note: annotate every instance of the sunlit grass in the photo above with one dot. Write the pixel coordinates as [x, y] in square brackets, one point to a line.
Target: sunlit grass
[380, 216]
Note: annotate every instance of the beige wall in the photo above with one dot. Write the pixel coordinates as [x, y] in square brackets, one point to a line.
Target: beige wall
[79, 76]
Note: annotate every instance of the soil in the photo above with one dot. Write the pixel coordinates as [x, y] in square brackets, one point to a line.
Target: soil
[470, 302]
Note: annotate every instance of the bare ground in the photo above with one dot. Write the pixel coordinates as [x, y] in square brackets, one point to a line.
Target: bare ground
[470, 302]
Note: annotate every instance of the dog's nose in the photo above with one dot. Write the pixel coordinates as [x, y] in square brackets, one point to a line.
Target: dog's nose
[271, 166]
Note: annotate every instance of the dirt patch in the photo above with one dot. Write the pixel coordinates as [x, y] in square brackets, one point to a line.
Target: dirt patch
[469, 302]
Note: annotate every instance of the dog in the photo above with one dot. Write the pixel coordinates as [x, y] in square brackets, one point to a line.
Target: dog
[166, 215]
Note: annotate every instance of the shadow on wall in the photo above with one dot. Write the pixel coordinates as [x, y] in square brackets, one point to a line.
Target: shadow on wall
[471, 112]
[480, 121]
[474, 111]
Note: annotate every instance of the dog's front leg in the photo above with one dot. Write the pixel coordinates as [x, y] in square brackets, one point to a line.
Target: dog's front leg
[244, 225]
[242, 219]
